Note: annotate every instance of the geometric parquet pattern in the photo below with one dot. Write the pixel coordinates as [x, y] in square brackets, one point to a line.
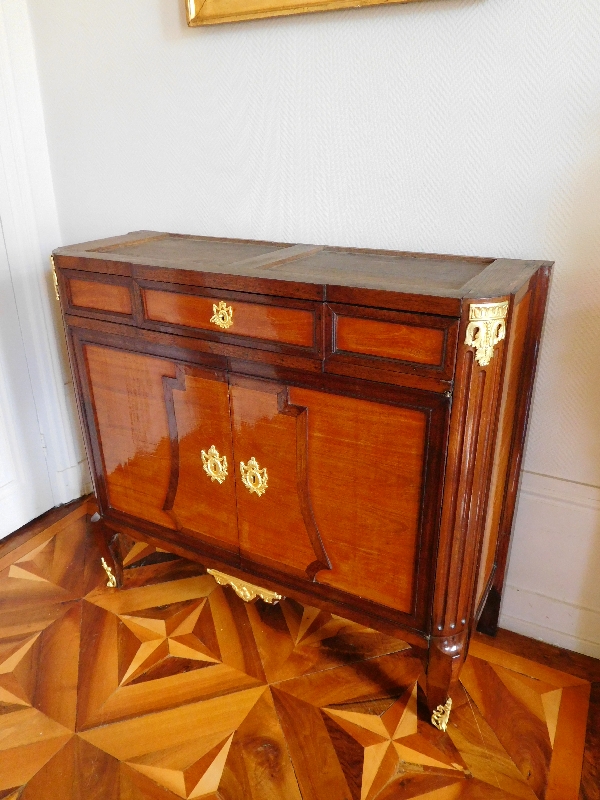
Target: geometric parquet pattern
[173, 687]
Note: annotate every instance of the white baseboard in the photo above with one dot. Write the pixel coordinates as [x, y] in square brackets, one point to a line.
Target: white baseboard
[565, 625]
[74, 481]
[552, 590]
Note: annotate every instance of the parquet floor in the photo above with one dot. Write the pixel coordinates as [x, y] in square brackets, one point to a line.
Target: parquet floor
[172, 687]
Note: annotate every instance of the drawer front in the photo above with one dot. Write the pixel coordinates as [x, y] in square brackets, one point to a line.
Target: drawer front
[96, 295]
[285, 322]
[391, 340]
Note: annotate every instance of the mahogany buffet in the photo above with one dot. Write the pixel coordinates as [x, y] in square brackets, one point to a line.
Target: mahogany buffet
[343, 427]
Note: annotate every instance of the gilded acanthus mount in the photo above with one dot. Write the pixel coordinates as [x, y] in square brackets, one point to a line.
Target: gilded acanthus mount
[487, 327]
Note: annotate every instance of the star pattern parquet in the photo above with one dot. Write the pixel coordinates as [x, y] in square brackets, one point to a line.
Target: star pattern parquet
[172, 687]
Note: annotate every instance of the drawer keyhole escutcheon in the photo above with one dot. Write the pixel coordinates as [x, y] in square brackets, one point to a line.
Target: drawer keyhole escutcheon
[253, 477]
[214, 465]
[222, 315]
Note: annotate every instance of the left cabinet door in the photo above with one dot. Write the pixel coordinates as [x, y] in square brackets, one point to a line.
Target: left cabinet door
[163, 436]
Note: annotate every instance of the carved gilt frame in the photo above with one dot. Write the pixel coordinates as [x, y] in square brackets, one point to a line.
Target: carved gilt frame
[213, 12]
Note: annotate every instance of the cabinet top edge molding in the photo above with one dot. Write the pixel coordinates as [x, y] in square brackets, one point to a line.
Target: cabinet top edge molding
[384, 278]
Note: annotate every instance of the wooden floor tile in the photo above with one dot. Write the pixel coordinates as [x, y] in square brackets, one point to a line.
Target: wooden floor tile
[172, 687]
[483, 753]
[28, 740]
[78, 770]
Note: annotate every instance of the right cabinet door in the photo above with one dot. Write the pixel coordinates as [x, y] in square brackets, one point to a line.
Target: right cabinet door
[353, 487]
[276, 523]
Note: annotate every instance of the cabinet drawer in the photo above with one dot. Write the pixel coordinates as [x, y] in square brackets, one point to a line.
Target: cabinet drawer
[96, 295]
[225, 316]
[392, 340]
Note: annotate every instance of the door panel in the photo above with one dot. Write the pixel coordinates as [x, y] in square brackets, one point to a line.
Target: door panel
[276, 526]
[365, 476]
[133, 429]
[343, 478]
[204, 504]
[153, 419]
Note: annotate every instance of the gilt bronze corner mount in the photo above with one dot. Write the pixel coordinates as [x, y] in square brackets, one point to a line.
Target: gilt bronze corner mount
[487, 327]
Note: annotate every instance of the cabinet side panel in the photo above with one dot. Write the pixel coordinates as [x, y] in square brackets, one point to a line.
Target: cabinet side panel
[490, 606]
[366, 467]
[133, 429]
[512, 379]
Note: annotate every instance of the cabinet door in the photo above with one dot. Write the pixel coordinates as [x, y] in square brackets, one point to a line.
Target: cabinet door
[276, 523]
[345, 497]
[366, 478]
[156, 422]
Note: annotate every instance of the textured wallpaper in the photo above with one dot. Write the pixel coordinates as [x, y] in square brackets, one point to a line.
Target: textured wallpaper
[461, 126]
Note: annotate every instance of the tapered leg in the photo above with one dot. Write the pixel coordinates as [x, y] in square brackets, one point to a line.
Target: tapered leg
[446, 657]
[109, 552]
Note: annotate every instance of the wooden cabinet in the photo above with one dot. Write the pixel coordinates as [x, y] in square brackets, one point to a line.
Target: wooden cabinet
[343, 427]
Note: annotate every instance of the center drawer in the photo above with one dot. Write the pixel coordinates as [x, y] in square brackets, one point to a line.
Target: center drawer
[273, 323]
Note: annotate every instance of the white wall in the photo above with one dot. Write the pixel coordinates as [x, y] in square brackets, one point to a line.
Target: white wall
[464, 126]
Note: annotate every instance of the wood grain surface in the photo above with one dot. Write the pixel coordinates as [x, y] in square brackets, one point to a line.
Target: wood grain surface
[392, 340]
[174, 688]
[255, 320]
[103, 296]
[424, 282]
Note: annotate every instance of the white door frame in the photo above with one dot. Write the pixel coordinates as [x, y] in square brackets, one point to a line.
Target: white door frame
[31, 230]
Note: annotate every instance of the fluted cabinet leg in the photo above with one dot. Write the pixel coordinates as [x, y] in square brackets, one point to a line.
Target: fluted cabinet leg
[446, 657]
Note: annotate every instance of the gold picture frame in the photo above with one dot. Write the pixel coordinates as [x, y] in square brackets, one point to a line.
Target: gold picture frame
[214, 12]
